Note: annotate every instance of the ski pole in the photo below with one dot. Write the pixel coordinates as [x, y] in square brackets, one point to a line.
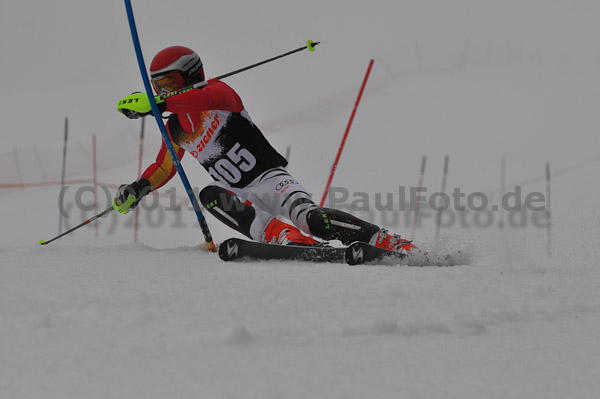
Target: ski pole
[90, 220]
[310, 45]
[125, 206]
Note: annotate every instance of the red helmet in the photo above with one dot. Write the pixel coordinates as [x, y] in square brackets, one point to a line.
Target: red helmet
[174, 68]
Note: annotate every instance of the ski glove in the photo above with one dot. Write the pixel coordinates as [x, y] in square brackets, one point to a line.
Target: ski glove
[137, 105]
[128, 196]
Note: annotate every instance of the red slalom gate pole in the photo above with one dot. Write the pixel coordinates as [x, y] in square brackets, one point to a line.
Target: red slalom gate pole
[63, 170]
[548, 212]
[416, 219]
[339, 154]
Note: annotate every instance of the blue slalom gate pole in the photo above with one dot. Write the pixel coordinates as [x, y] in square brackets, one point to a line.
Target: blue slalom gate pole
[163, 130]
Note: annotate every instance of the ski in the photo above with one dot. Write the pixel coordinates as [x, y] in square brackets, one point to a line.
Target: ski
[361, 252]
[239, 249]
[356, 253]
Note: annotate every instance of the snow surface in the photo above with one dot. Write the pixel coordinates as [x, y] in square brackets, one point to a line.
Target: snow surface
[103, 317]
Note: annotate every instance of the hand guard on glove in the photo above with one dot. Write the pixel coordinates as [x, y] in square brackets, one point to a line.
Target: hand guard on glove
[128, 196]
[137, 105]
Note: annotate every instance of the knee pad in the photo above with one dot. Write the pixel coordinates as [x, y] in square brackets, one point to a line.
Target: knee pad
[228, 208]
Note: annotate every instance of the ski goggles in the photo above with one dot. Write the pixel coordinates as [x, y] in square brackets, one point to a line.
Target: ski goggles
[168, 82]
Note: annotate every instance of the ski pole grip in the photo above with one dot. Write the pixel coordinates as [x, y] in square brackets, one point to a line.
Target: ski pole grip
[124, 207]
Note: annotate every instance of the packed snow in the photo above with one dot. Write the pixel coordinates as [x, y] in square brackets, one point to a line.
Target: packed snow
[100, 316]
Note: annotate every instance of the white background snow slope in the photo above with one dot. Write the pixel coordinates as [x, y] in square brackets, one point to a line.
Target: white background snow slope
[481, 81]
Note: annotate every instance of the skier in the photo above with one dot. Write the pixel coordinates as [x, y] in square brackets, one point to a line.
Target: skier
[252, 187]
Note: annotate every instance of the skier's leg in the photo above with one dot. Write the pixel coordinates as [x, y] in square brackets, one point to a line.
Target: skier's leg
[331, 224]
[252, 210]
[282, 194]
[228, 208]
[232, 207]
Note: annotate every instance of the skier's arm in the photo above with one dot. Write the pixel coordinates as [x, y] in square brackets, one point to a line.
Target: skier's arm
[154, 177]
[163, 169]
[214, 96]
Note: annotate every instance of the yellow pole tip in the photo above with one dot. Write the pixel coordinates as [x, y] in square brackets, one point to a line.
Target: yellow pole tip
[311, 45]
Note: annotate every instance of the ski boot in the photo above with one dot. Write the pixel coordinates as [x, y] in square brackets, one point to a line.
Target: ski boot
[281, 233]
[393, 242]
